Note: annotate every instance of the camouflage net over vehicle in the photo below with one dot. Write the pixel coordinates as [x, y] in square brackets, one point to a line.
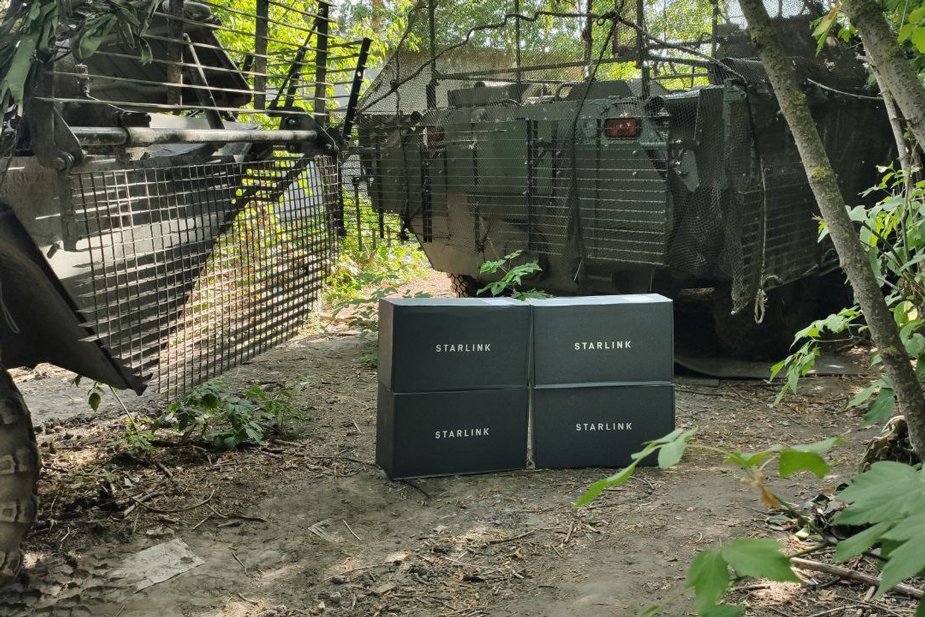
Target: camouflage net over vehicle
[627, 146]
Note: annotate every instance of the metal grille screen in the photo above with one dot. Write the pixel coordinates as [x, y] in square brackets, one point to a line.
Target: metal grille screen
[196, 268]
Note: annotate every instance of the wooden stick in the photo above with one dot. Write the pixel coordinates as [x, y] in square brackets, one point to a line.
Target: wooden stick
[350, 530]
[817, 566]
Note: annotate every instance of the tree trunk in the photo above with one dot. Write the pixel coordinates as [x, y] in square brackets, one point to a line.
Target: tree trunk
[893, 68]
[853, 259]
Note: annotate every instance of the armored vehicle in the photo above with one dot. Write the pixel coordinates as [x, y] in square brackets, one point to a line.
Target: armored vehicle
[169, 203]
[661, 165]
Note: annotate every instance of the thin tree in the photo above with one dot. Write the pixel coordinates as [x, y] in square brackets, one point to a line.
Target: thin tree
[889, 62]
[822, 181]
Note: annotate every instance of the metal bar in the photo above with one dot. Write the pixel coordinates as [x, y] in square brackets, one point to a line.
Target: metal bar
[519, 74]
[134, 136]
[175, 50]
[431, 89]
[261, 42]
[321, 62]
[355, 90]
[204, 93]
[641, 45]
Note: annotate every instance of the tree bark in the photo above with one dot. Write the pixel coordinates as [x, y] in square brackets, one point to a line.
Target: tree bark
[822, 181]
[893, 68]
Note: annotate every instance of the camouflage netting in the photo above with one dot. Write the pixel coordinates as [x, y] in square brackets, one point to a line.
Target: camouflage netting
[627, 146]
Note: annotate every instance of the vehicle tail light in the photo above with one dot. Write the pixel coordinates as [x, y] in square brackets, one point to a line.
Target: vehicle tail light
[622, 128]
[434, 136]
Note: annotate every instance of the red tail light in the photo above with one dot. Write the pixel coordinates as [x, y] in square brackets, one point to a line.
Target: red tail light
[434, 136]
[622, 128]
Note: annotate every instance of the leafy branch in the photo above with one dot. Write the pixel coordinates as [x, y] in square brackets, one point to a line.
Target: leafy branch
[712, 571]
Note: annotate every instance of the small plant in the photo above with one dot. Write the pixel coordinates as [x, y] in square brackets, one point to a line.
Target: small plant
[512, 279]
[138, 435]
[278, 410]
[712, 571]
[213, 415]
[94, 392]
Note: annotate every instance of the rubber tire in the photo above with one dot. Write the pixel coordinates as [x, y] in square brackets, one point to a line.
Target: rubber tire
[464, 286]
[789, 309]
[20, 465]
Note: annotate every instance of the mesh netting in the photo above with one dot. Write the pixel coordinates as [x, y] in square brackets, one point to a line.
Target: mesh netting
[188, 271]
[627, 146]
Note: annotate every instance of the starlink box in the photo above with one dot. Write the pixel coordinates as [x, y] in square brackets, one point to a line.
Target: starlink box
[447, 433]
[603, 339]
[598, 426]
[444, 344]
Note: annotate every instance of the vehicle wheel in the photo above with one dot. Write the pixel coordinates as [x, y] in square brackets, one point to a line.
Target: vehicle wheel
[789, 309]
[19, 472]
[464, 286]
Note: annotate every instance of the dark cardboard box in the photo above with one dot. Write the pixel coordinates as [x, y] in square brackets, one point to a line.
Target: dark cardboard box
[442, 344]
[447, 433]
[603, 339]
[598, 426]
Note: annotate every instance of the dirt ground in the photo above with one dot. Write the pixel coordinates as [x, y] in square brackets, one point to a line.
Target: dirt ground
[310, 526]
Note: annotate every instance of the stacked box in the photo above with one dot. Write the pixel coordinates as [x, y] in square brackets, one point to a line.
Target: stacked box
[453, 385]
[603, 370]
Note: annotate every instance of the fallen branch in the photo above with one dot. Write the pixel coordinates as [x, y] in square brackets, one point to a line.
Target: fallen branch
[818, 566]
[139, 501]
[184, 509]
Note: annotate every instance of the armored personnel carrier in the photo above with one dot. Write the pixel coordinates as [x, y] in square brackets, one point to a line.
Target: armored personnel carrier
[169, 199]
[665, 166]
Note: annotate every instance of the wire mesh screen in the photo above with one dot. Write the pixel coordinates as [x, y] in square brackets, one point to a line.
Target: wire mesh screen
[194, 269]
[627, 146]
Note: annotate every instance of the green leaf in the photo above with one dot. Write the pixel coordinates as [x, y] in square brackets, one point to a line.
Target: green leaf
[864, 394]
[860, 542]
[671, 452]
[920, 609]
[723, 610]
[881, 409]
[94, 400]
[747, 461]
[819, 447]
[916, 15]
[20, 67]
[794, 461]
[888, 491]
[917, 38]
[598, 487]
[759, 559]
[906, 561]
[708, 575]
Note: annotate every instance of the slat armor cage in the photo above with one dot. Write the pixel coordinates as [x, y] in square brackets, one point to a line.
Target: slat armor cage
[625, 146]
[194, 269]
[192, 206]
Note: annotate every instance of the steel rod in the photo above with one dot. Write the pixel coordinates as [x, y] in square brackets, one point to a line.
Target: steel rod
[134, 136]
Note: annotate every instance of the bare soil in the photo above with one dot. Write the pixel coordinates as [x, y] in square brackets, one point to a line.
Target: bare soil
[310, 526]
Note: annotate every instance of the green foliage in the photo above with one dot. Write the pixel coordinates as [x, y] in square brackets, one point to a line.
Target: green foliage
[807, 344]
[712, 571]
[890, 497]
[675, 442]
[212, 415]
[892, 232]
[512, 277]
[365, 273]
[94, 393]
[31, 33]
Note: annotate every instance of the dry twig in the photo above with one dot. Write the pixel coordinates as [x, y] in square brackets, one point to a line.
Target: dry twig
[818, 566]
